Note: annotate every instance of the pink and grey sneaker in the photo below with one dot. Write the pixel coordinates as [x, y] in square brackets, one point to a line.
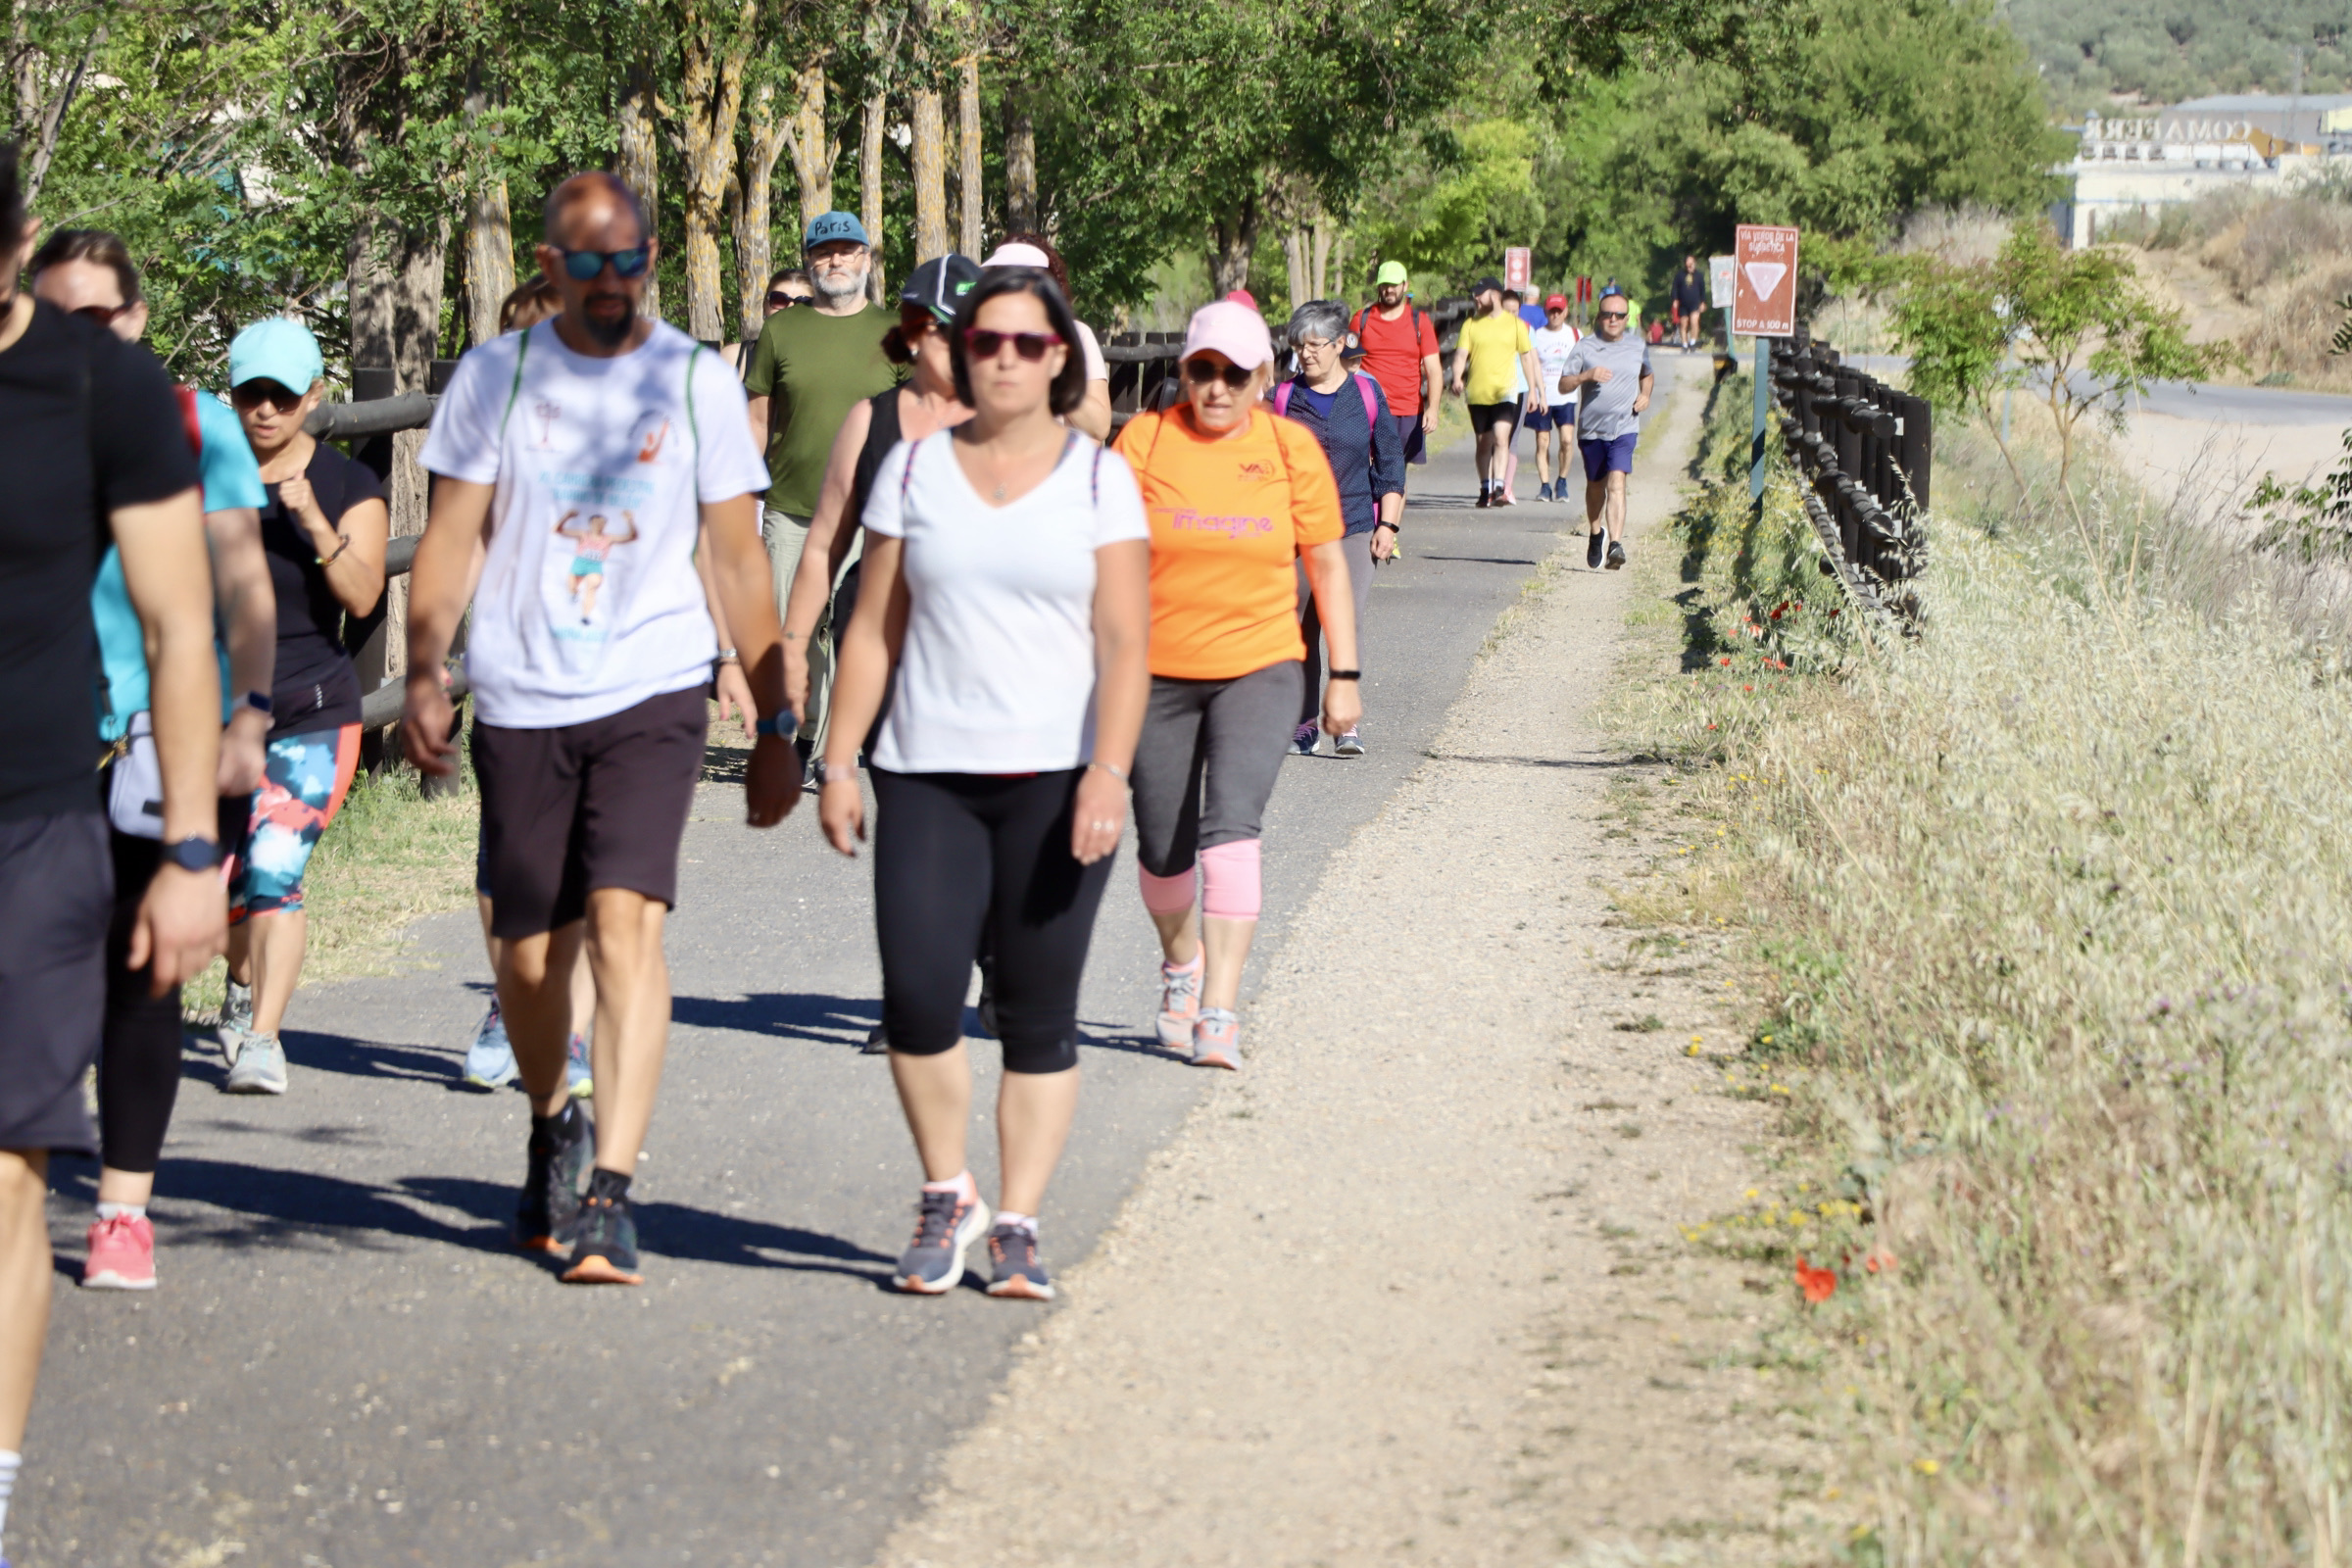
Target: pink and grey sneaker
[1179, 1003]
[1014, 1267]
[122, 1254]
[1218, 1039]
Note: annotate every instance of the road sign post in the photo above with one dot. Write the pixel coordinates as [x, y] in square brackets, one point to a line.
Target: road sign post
[1518, 268]
[1764, 307]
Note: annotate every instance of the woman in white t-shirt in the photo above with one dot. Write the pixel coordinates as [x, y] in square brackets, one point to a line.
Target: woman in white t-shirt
[1003, 608]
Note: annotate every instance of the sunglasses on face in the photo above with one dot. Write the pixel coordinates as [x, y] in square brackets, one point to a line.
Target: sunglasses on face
[987, 345]
[257, 394]
[1612, 315]
[1204, 371]
[781, 301]
[103, 314]
[585, 265]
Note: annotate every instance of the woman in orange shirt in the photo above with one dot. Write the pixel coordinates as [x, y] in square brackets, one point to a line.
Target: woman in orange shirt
[1237, 495]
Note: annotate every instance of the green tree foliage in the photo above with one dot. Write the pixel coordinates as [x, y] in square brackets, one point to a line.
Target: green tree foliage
[2169, 50]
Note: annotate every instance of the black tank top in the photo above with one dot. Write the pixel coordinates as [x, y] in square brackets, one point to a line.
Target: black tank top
[881, 435]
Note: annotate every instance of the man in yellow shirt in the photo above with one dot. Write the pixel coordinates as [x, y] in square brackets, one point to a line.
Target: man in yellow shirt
[1490, 356]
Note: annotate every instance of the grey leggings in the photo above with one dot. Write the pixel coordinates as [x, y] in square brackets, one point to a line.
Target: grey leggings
[1219, 739]
[1360, 566]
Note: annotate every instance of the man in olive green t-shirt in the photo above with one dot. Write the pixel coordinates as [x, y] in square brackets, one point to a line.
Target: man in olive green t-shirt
[812, 363]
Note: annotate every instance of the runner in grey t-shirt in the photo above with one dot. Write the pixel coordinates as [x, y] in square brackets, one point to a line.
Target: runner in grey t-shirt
[1611, 370]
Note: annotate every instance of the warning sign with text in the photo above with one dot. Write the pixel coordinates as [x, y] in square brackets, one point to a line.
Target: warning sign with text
[1764, 281]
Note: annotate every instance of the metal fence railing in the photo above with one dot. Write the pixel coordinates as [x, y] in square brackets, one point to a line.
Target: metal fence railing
[1866, 453]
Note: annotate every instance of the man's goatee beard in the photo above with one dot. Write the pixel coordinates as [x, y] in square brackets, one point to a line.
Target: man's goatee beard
[612, 331]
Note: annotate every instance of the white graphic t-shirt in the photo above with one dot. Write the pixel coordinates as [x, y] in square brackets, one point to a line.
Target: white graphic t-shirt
[589, 603]
[1553, 349]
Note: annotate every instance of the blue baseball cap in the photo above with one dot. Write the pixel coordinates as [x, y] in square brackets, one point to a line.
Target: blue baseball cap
[277, 349]
[827, 228]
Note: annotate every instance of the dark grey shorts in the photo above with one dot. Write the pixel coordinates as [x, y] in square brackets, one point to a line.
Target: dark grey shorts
[57, 893]
[582, 807]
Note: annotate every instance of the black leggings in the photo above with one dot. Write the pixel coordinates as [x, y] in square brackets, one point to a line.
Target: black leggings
[138, 1064]
[956, 854]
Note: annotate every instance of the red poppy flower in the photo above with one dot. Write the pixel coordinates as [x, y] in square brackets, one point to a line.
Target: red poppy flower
[1818, 1284]
[1725, 662]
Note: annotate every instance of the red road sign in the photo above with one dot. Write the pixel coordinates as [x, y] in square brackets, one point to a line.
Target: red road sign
[1764, 282]
[1518, 267]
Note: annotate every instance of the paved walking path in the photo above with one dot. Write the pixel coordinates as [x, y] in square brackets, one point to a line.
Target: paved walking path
[346, 1364]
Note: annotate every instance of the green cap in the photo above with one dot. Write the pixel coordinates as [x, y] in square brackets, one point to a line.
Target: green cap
[1390, 272]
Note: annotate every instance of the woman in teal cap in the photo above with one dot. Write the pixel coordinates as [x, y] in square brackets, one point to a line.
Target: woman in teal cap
[323, 531]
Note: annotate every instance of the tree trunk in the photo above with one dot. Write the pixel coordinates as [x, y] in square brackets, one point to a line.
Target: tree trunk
[812, 154]
[1020, 174]
[45, 120]
[640, 162]
[489, 243]
[1232, 239]
[970, 195]
[930, 151]
[1299, 271]
[754, 258]
[1322, 234]
[870, 184]
[395, 280]
[711, 83]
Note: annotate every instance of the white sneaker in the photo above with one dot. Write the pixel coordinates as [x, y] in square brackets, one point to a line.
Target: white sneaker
[260, 1067]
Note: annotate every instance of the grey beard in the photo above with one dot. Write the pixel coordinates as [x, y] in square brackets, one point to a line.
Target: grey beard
[833, 287]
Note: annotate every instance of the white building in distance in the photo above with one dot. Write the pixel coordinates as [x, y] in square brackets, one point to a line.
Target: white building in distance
[2133, 166]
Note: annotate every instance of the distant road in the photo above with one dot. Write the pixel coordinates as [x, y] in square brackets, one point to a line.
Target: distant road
[2203, 401]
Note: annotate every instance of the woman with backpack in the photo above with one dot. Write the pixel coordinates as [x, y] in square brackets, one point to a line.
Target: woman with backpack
[1349, 414]
[1238, 497]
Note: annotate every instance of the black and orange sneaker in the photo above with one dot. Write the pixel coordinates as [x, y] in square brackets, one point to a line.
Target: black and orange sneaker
[563, 1148]
[603, 1249]
[1014, 1267]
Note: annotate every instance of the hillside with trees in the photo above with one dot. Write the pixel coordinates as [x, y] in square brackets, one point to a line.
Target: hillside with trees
[2165, 51]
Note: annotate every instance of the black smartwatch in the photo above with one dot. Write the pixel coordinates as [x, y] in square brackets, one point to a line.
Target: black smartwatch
[194, 855]
[258, 702]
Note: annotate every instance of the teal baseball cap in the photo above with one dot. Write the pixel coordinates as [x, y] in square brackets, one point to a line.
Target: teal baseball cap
[827, 228]
[277, 349]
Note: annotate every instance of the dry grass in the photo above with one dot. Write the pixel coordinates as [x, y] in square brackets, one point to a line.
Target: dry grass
[2287, 259]
[2055, 896]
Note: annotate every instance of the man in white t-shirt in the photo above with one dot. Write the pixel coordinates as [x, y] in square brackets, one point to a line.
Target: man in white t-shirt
[1554, 341]
[577, 464]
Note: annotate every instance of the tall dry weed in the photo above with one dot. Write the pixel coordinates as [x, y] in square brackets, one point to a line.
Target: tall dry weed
[2061, 894]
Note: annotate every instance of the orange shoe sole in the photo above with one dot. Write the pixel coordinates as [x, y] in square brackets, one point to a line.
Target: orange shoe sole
[595, 1269]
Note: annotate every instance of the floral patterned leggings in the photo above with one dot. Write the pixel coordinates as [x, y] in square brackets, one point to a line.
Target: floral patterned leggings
[303, 786]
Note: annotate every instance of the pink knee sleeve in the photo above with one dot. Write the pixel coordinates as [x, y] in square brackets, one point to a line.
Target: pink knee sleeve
[1229, 881]
[1167, 895]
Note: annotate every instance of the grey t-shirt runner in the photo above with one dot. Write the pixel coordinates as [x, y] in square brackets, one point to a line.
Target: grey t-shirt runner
[1608, 410]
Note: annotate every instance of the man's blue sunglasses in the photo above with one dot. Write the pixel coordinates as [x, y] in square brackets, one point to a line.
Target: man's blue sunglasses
[584, 266]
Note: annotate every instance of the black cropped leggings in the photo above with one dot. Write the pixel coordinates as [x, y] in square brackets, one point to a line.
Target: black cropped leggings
[138, 1062]
[956, 854]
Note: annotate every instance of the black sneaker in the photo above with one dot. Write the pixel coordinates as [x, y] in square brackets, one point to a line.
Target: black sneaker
[605, 1246]
[1012, 1254]
[1616, 554]
[945, 1229]
[562, 1151]
[1485, 497]
[1592, 547]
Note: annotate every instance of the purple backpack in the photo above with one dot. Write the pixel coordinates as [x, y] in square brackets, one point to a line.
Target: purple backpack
[1364, 387]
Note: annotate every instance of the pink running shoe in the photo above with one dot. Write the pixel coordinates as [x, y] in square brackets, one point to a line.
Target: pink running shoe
[1179, 1003]
[1218, 1039]
[122, 1254]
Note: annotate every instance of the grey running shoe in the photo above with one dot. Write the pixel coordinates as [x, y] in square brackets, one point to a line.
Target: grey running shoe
[1179, 1002]
[260, 1067]
[1616, 554]
[1593, 548]
[877, 1042]
[1348, 745]
[1217, 1039]
[490, 1059]
[1012, 1259]
[944, 1228]
[1302, 740]
[236, 1020]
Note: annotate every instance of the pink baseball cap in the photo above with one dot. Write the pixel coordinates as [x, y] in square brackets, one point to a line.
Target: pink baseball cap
[1016, 254]
[1233, 330]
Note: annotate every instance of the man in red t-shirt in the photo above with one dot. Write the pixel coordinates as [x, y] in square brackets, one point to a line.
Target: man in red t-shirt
[1398, 345]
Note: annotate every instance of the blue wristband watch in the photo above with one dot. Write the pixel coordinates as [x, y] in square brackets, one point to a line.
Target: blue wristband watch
[782, 725]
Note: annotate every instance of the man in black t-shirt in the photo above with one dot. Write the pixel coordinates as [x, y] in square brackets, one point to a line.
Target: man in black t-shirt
[93, 445]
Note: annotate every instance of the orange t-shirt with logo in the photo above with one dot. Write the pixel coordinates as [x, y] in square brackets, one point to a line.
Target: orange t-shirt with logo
[1229, 517]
